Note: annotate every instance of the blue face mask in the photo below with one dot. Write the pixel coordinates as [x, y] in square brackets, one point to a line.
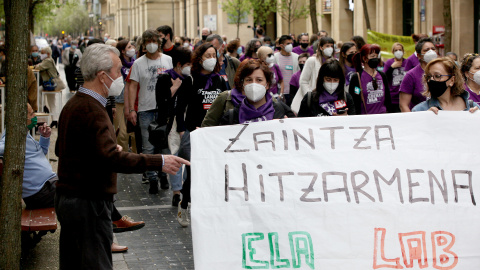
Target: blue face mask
[239, 50]
[218, 54]
[34, 54]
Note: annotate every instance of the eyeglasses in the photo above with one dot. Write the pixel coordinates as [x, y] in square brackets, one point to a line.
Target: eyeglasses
[270, 54]
[436, 77]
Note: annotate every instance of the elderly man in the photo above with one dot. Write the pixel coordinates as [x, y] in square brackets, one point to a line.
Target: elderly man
[205, 33]
[88, 160]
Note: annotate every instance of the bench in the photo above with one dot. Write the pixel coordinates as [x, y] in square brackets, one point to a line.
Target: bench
[35, 222]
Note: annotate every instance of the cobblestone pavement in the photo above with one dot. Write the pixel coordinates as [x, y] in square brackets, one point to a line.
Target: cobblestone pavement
[162, 243]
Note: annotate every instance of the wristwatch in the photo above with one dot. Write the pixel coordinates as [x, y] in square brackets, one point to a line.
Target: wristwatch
[131, 111]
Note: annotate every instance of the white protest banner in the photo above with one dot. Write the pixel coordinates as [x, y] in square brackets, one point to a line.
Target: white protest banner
[396, 191]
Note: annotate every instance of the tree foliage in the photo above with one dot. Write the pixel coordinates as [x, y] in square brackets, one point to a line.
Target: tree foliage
[263, 8]
[71, 17]
[236, 11]
[292, 10]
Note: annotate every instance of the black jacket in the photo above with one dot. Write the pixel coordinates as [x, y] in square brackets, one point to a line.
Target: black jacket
[314, 109]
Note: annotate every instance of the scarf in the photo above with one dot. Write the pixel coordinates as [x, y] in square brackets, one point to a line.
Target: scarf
[174, 74]
[248, 114]
[237, 97]
[326, 101]
[126, 67]
[209, 79]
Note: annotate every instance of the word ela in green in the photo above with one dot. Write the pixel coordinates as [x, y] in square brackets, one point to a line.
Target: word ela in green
[301, 245]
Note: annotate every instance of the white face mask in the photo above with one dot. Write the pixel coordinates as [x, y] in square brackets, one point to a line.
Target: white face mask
[186, 45]
[209, 64]
[186, 71]
[429, 56]
[398, 54]
[152, 47]
[270, 60]
[116, 87]
[289, 48]
[476, 77]
[130, 53]
[43, 56]
[254, 91]
[330, 87]
[328, 52]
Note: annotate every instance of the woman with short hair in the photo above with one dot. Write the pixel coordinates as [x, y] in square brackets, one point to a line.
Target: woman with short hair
[471, 74]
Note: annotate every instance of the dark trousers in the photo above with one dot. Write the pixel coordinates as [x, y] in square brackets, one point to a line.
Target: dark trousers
[44, 198]
[186, 189]
[86, 233]
[70, 76]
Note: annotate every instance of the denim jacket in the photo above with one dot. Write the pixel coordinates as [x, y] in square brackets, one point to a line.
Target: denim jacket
[433, 102]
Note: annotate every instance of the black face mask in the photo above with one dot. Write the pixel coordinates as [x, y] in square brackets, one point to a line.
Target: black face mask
[278, 48]
[350, 57]
[177, 44]
[256, 49]
[164, 41]
[204, 37]
[301, 66]
[373, 63]
[437, 88]
[304, 45]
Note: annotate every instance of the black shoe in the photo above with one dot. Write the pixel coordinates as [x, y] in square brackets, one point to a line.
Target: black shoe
[164, 182]
[153, 187]
[145, 179]
[175, 200]
[54, 124]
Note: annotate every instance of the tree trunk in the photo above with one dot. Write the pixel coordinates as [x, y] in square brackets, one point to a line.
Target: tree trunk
[447, 18]
[16, 14]
[365, 13]
[313, 16]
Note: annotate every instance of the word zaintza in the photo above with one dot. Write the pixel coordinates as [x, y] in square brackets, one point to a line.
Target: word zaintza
[412, 246]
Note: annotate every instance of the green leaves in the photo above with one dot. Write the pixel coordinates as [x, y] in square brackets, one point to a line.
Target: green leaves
[72, 17]
[292, 10]
[237, 11]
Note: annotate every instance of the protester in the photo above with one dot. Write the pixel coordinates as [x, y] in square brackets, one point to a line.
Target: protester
[288, 63]
[444, 86]
[347, 51]
[411, 88]
[394, 68]
[369, 87]
[295, 80]
[166, 36]
[322, 33]
[111, 42]
[267, 41]
[329, 97]
[413, 60]
[55, 52]
[205, 33]
[359, 41]
[309, 75]
[49, 71]
[89, 159]
[71, 59]
[471, 73]
[229, 65]
[265, 55]
[452, 56]
[304, 45]
[253, 79]
[234, 49]
[251, 49]
[195, 97]
[127, 54]
[166, 93]
[144, 73]
[34, 57]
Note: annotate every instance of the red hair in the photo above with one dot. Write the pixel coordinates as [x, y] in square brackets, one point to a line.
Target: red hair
[364, 52]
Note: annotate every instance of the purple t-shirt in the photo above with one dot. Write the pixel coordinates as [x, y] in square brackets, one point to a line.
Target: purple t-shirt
[374, 99]
[277, 77]
[243, 57]
[473, 96]
[298, 50]
[413, 84]
[412, 61]
[295, 80]
[397, 77]
[349, 71]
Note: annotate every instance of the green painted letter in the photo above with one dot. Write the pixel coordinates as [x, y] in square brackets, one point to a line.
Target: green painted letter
[275, 253]
[247, 239]
[305, 248]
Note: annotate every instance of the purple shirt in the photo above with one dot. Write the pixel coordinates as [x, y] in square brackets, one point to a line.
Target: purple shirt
[349, 71]
[243, 57]
[277, 77]
[413, 84]
[295, 80]
[412, 61]
[298, 50]
[397, 77]
[473, 96]
[374, 99]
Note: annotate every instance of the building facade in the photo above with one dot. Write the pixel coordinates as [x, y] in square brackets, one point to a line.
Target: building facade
[342, 19]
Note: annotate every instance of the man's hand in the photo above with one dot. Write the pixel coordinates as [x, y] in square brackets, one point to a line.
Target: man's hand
[45, 131]
[132, 117]
[173, 164]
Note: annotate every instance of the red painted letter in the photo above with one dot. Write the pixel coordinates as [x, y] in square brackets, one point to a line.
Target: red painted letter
[448, 259]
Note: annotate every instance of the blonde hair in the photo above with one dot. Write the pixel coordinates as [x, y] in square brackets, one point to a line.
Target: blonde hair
[452, 69]
[263, 51]
[397, 44]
